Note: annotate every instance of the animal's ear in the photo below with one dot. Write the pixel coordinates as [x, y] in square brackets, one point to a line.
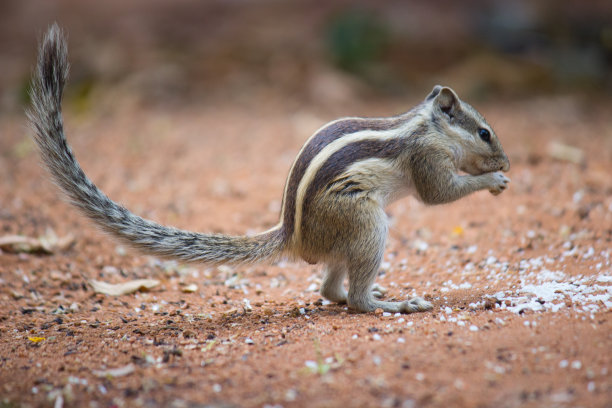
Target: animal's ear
[447, 100]
[434, 92]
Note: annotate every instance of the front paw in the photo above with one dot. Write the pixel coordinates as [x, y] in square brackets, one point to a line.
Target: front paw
[498, 182]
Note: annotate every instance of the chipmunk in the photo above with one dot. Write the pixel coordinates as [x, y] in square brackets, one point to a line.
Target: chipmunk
[335, 194]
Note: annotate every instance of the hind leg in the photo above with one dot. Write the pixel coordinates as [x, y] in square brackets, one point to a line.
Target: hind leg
[363, 260]
[361, 297]
[332, 287]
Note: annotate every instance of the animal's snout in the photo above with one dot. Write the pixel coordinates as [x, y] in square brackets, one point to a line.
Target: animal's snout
[505, 166]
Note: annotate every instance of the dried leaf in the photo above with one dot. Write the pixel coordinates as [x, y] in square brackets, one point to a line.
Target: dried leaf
[115, 372]
[123, 288]
[458, 231]
[190, 288]
[46, 244]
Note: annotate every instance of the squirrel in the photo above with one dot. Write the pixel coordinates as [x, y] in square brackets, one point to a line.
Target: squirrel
[333, 204]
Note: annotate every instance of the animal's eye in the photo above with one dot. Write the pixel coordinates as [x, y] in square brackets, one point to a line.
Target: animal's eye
[484, 135]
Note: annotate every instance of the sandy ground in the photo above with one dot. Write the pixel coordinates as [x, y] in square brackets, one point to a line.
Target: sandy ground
[521, 282]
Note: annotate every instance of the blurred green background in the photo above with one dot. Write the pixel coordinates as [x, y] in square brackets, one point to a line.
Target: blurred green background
[174, 52]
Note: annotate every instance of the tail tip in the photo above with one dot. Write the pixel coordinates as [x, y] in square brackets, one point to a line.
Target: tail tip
[53, 61]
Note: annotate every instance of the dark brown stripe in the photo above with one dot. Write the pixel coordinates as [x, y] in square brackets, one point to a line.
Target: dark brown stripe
[317, 143]
[467, 121]
[470, 121]
[352, 153]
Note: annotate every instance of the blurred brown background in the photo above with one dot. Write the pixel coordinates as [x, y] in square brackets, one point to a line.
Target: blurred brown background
[191, 113]
[321, 52]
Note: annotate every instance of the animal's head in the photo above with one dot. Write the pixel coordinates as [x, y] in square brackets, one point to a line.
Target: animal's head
[473, 141]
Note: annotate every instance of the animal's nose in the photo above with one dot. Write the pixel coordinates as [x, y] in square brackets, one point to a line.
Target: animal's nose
[506, 166]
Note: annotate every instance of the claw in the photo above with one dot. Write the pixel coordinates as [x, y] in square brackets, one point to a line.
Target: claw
[379, 288]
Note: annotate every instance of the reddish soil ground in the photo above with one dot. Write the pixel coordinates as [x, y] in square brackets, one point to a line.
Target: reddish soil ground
[521, 282]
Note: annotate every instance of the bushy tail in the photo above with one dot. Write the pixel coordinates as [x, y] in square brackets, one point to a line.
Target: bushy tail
[45, 116]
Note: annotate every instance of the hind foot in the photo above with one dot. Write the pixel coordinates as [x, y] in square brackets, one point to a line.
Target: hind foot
[415, 304]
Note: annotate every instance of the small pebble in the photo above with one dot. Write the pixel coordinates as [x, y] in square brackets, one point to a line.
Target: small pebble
[291, 395]
[190, 288]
